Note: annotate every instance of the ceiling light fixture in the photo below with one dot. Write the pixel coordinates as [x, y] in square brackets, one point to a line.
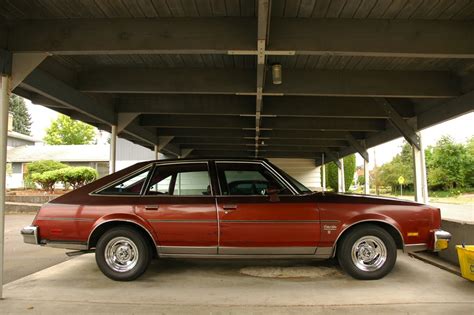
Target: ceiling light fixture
[276, 73]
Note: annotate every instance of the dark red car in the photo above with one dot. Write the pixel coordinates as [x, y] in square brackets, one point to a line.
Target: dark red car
[230, 208]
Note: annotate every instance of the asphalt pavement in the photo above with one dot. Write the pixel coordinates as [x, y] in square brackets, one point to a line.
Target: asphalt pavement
[24, 259]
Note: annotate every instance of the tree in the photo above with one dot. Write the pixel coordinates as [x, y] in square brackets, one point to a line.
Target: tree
[470, 162]
[400, 165]
[349, 170]
[21, 117]
[448, 164]
[65, 130]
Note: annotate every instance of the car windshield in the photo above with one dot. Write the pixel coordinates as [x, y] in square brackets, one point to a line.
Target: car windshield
[302, 189]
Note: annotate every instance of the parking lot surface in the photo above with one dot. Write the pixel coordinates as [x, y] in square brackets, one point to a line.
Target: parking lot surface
[173, 286]
[23, 259]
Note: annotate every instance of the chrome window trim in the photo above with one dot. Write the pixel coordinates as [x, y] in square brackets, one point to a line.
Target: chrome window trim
[96, 192]
[367, 220]
[262, 163]
[151, 165]
[269, 167]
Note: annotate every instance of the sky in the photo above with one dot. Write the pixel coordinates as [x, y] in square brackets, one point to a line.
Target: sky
[460, 129]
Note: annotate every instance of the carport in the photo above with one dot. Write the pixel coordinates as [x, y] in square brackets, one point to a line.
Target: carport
[293, 79]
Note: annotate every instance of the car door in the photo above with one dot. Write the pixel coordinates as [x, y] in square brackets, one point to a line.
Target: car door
[252, 221]
[178, 202]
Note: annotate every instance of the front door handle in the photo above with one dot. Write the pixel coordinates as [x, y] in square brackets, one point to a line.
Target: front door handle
[151, 207]
[229, 207]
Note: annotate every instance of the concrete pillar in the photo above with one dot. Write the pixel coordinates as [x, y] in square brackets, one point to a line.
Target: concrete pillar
[156, 152]
[367, 178]
[113, 149]
[419, 166]
[4, 96]
[340, 177]
[323, 172]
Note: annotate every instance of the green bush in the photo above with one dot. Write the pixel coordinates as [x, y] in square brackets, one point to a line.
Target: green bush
[79, 176]
[47, 179]
[44, 166]
[40, 167]
[69, 176]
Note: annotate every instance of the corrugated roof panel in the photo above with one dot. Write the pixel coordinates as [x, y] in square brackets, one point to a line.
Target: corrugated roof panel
[59, 9]
[377, 9]
[157, 61]
[368, 63]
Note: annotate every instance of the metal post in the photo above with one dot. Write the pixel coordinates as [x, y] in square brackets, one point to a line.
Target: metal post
[366, 178]
[3, 169]
[424, 177]
[419, 168]
[156, 152]
[340, 177]
[113, 149]
[323, 170]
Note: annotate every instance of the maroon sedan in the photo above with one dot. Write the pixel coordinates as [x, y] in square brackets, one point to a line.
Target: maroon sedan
[230, 208]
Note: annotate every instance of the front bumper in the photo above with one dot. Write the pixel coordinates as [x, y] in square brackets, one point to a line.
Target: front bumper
[30, 234]
[441, 240]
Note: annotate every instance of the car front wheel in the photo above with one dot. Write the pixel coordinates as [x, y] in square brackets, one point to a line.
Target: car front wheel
[122, 254]
[368, 252]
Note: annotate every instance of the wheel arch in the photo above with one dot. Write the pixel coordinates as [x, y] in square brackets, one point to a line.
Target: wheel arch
[105, 225]
[389, 227]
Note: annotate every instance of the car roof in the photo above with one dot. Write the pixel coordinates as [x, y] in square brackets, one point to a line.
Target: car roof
[209, 159]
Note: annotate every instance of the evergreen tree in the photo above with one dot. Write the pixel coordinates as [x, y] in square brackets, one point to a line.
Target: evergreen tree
[21, 117]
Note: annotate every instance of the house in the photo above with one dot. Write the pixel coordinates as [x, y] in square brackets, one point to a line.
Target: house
[95, 156]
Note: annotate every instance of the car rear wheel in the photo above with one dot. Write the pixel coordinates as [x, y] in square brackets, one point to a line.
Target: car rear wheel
[368, 252]
[122, 254]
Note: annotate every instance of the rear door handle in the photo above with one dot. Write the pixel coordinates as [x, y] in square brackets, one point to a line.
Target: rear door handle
[151, 207]
[229, 207]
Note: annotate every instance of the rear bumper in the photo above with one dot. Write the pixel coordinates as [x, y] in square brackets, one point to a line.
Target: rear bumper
[441, 240]
[30, 234]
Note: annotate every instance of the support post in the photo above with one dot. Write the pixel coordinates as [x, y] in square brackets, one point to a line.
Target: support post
[366, 178]
[3, 168]
[323, 170]
[113, 149]
[340, 178]
[419, 168]
[157, 151]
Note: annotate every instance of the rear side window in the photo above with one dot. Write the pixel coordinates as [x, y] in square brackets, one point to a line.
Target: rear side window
[131, 185]
[180, 180]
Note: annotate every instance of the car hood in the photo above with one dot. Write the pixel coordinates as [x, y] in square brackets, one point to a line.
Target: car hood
[358, 198]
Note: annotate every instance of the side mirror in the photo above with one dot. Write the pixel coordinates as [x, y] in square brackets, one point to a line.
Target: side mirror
[273, 194]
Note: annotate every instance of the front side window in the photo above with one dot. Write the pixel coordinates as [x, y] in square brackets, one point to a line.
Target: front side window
[239, 179]
[180, 180]
[131, 185]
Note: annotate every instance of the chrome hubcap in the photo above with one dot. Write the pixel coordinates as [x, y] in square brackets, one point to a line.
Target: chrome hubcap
[369, 253]
[121, 254]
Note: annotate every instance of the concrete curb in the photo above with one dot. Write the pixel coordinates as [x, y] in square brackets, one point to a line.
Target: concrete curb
[437, 262]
